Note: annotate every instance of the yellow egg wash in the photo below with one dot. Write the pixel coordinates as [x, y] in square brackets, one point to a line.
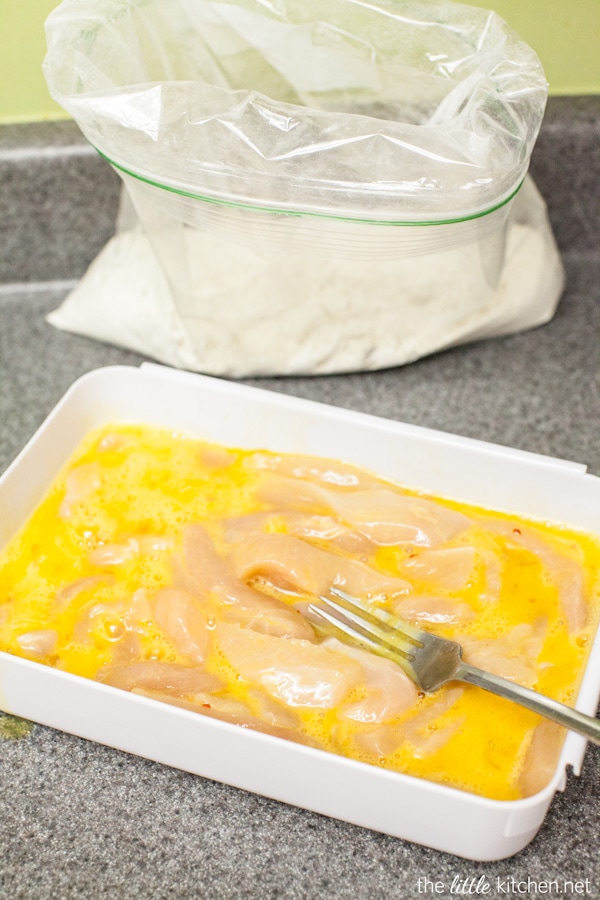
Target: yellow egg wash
[79, 588]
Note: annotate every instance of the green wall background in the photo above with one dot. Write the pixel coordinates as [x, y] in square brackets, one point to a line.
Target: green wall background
[565, 34]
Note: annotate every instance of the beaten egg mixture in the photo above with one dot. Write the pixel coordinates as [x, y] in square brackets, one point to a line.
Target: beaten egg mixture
[181, 570]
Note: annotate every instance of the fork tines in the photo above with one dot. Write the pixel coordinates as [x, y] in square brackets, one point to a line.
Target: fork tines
[370, 626]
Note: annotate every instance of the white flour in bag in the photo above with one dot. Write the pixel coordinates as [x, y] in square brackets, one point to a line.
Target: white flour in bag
[296, 315]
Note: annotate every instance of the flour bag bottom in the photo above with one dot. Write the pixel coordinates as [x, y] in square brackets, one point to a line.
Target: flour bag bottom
[221, 306]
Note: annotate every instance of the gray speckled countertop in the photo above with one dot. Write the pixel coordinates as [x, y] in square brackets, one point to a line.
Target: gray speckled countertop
[82, 820]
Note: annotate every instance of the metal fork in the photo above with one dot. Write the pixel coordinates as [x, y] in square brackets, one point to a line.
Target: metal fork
[431, 661]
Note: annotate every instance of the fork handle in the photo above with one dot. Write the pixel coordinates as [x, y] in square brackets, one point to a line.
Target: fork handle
[588, 726]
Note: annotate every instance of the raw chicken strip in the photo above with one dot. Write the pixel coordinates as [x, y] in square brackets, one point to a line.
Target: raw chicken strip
[113, 619]
[513, 656]
[127, 650]
[38, 643]
[383, 515]
[296, 672]
[69, 592]
[436, 740]
[111, 442]
[238, 528]
[390, 691]
[216, 457]
[183, 622]
[324, 529]
[272, 711]
[217, 708]
[314, 468]
[155, 675]
[327, 530]
[237, 602]
[390, 518]
[493, 576]
[139, 612]
[82, 481]
[386, 739]
[436, 610]
[448, 569]
[541, 758]
[564, 572]
[113, 554]
[419, 724]
[118, 553]
[287, 494]
[107, 618]
[295, 565]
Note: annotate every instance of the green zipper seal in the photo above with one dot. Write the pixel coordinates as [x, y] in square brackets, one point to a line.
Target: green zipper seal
[233, 204]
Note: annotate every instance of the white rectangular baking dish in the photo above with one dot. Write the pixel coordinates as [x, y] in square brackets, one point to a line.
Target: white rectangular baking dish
[237, 415]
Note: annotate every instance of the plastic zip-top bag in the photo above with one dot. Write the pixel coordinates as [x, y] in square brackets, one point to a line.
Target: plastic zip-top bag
[317, 187]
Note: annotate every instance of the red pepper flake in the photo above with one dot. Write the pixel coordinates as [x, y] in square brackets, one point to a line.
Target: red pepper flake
[516, 531]
[207, 705]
